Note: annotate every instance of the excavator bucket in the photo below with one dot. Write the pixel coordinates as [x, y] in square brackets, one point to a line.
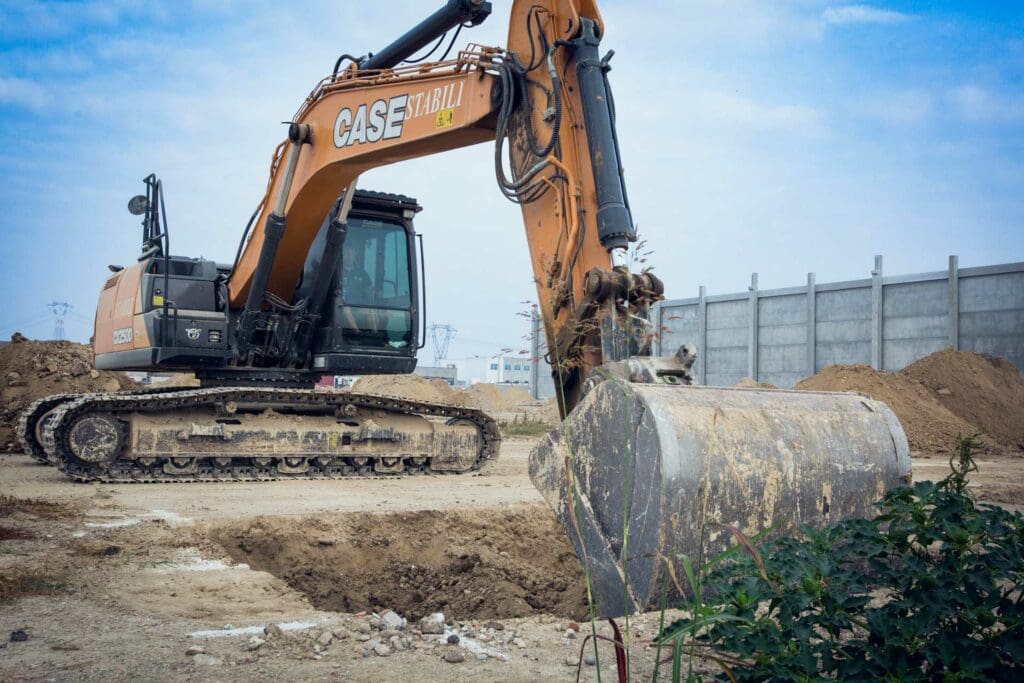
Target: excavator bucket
[679, 464]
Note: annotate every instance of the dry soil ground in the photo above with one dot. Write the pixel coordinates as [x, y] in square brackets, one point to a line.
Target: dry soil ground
[115, 582]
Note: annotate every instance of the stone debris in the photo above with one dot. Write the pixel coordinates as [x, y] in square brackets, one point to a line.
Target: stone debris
[432, 624]
[205, 660]
[273, 631]
[325, 638]
[393, 621]
[359, 626]
[453, 639]
[195, 650]
[453, 655]
[495, 625]
[255, 643]
[381, 650]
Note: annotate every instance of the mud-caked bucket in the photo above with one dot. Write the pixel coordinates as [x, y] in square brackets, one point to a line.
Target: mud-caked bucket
[678, 464]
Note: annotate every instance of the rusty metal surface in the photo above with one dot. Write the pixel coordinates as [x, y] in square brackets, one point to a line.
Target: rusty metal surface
[678, 462]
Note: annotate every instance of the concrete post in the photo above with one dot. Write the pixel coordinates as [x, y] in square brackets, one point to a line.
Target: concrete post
[876, 314]
[535, 353]
[954, 302]
[702, 336]
[656, 326]
[812, 318]
[752, 337]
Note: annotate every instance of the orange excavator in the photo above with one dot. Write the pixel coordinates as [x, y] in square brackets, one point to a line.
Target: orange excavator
[328, 280]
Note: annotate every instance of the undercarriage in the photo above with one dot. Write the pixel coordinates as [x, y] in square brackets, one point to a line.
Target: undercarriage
[237, 434]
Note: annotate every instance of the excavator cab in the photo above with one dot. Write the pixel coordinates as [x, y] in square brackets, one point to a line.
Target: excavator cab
[172, 312]
[373, 312]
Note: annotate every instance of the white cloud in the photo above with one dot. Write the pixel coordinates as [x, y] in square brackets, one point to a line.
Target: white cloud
[20, 92]
[902, 108]
[731, 110]
[862, 14]
[981, 105]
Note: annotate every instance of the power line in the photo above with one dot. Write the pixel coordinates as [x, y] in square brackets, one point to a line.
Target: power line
[60, 310]
[441, 336]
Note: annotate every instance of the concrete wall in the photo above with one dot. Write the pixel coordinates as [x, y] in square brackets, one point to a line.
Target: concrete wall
[783, 335]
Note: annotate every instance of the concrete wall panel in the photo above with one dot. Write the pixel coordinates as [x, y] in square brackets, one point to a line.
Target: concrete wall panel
[914, 321]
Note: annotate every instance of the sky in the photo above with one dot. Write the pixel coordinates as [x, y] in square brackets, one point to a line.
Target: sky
[773, 137]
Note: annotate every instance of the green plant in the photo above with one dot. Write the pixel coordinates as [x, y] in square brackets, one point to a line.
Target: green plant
[930, 589]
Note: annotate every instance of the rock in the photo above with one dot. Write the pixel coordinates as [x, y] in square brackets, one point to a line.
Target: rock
[94, 374]
[574, 626]
[325, 541]
[18, 636]
[453, 655]
[484, 638]
[520, 643]
[393, 621]
[496, 625]
[433, 624]
[195, 650]
[359, 626]
[206, 660]
[273, 631]
[589, 660]
[325, 638]
[375, 623]
[453, 639]
[397, 644]
[569, 633]
[363, 637]
[571, 661]
[340, 633]
[381, 650]
[79, 369]
[944, 392]
[255, 643]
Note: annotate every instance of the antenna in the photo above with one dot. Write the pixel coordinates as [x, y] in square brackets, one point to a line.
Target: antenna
[60, 310]
[441, 336]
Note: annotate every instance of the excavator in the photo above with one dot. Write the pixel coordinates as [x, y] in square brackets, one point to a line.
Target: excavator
[646, 466]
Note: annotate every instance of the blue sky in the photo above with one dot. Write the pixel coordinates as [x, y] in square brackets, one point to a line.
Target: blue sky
[778, 137]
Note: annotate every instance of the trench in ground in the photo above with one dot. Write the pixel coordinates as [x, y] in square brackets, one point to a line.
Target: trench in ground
[480, 564]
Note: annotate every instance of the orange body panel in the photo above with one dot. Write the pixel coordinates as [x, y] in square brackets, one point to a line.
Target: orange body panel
[119, 325]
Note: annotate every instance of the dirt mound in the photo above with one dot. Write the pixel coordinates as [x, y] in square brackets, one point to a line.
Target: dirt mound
[930, 426]
[31, 369]
[984, 390]
[492, 398]
[490, 564]
[412, 387]
[748, 383]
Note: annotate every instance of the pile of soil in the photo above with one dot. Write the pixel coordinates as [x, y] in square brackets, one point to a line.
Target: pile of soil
[412, 387]
[491, 398]
[31, 369]
[929, 426]
[984, 390]
[486, 564]
[748, 383]
[942, 396]
[487, 397]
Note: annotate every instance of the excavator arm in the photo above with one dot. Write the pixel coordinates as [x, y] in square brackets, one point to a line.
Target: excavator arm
[545, 101]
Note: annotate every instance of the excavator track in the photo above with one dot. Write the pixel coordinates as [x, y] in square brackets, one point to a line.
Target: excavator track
[28, 421]
[30, 431]
[125, 437]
